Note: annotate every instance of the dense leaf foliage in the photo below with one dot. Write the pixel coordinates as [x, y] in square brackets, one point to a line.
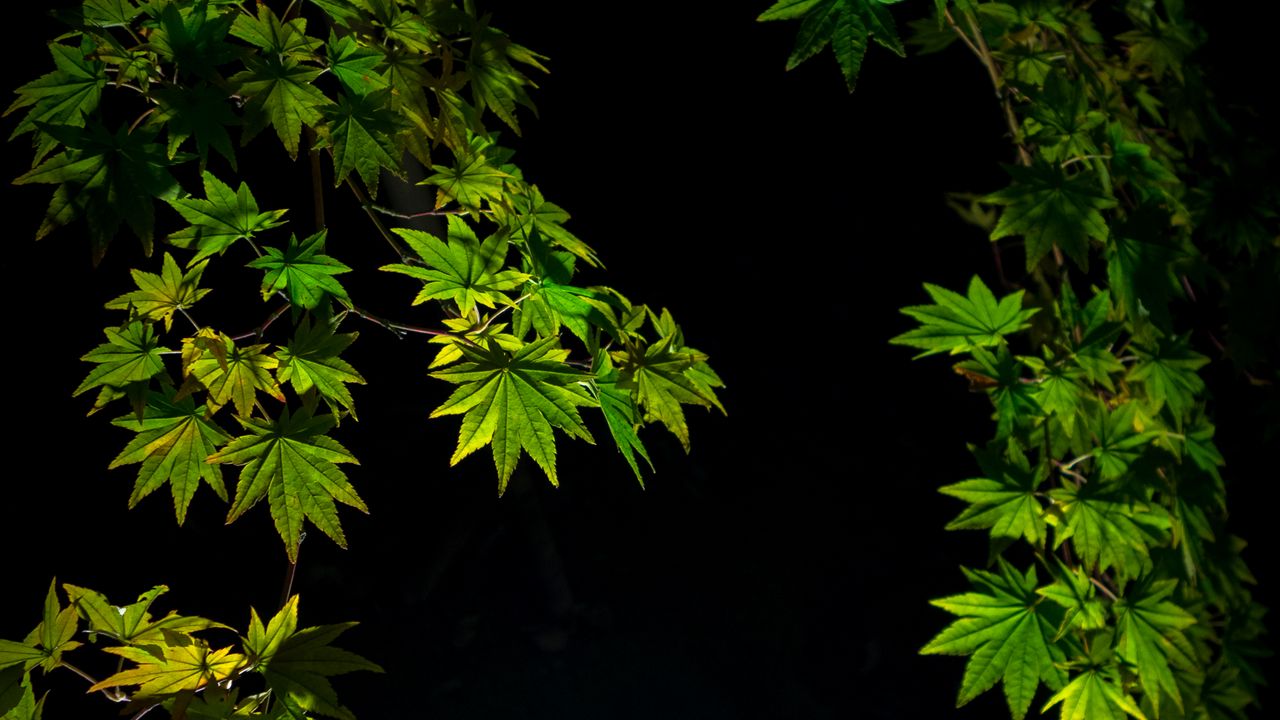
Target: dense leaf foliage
[146, 122]
[1117, 584]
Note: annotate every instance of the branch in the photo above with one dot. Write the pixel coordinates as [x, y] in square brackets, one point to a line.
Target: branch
[412, 216]
[261, 329]
[401, 329]
[979, 47]
[406, 257]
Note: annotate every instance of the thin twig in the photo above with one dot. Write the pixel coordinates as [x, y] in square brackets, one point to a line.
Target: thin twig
[400, 329]
[399, 248]
[413, 216]
[1105, 590]
[984, 53]
[262, 329]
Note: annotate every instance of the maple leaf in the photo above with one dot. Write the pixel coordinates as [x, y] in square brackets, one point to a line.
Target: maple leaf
[172, 664]
[133, 624]
[534, 219]
[131, 354]
[201, 112]
[274, 37]
[193, 37]
[361, 129]
[1097, 693]
[293, 464]
[1007, 631]
[280, 94]
[174, 438]
[1074, 590]
[1119, 440]
[1108, 530]
[302, 271]
[45, 644]
[355, 66]
[513, 400]
[665, 374]
[310, 360]
[495, 82]
[620, 412]
[17, 698]
[1005, 500]
[108, 178]
[846, 25]
[1014, 399]
[470, 181]
[1168, 374]
[230, 372]
[295, 663]
[222, 218]
[1060, 121]
[158, 297]
[956, 324]
[1149, 636]
[464, 269]
[63, 97]
[1049, 208]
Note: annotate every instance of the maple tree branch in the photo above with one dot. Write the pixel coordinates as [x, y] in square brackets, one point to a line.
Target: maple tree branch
[261, 329]
[979, 45]
[317, 183]
[400, 329]
[1105, 590]
[405, 256]
[414, 216]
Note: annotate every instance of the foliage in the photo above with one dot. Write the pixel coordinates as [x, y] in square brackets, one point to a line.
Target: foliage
[173, 664]
[1117, 584]
[157, 117]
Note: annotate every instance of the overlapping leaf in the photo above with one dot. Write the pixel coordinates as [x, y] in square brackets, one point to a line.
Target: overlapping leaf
[222, 218]
[1005, 500]
[846, 25]
[513, 400]
[1149, 634]
[133, 624]
[301, 271]
[955, 323]
[173, 664]
[174, 438]
[1050, 208]
[131, 354]
[294, 465]
[232, 373]
[296, 663]
[311, 361]
[1009, 634]
[464, 269]
[158, 297]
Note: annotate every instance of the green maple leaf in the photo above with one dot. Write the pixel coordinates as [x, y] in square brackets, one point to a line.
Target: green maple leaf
[310, 360]
[956, 324]
[1119, 440]
[1060, 121]
[1005, 628]
[1168, 375]
[109, 13]
[201, 112]
[620, 412]
[1141, 265]
[231, 373]
[1005, 500]
[108, 178]
[273, 37]
[295, 663]
[222, 218]
[464, 269]
[1094, 695]
[133, 624]
[1108, 530]
[174, 438]
[17, 698]
[302, 271]
[846, 25]
[1014, 399]
[293, 464]
[534, 219]
[1149, 635]
[1049, 208]
[514, 400]
[470, 181]
[171, 664]
[495, 82]
[665, 374]
[280, 94]
[131, 354]
[361, 129]
[355, 66]
[158, 297]
[45, 644]
[1074, 590]
[63, 97]
[193, 37]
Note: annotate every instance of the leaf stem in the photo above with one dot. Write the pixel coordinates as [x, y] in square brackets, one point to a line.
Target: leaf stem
[406, 257]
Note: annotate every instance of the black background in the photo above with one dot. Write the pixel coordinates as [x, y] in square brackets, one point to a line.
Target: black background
[783, 568]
